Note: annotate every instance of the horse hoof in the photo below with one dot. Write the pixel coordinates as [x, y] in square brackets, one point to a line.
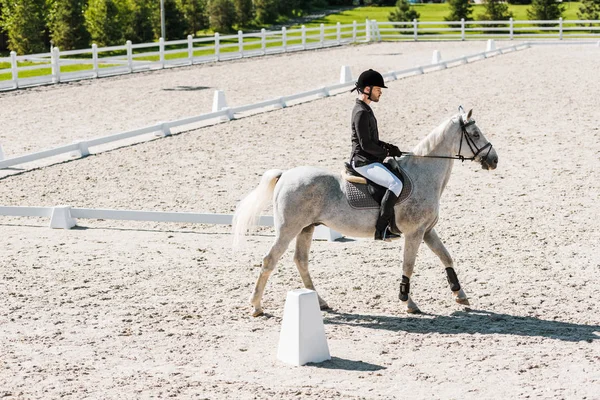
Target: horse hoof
[414, 310]
[464, 302]
[257, 312]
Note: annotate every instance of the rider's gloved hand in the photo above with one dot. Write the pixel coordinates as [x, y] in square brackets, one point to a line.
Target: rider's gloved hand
[394, 151]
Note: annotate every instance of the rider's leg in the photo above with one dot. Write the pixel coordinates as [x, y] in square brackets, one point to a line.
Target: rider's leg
[378, 173]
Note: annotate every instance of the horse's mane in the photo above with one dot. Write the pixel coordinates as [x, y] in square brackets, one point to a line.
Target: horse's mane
[427, 145]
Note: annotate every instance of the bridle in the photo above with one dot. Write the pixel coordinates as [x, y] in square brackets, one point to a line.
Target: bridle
[464, 136]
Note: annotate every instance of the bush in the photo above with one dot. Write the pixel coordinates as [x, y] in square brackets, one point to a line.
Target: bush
[67, 24]
[109, 22]
[459, 9]
[244, 12]
[221, 15]
[25, 25]
[495, 10]
[403, 12]
[545, 10]
[266, 11]
[589, 9]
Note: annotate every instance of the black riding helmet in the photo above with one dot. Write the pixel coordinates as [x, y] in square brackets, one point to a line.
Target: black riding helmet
[369, 78]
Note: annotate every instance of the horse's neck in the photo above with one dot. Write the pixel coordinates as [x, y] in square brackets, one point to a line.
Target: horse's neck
[447, 147]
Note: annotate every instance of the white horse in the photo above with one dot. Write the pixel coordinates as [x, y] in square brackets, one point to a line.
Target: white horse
[304, 197]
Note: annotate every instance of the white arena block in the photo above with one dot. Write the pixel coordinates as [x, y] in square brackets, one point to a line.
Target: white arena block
[345, 74]
[302, 339]
[82, 149]
[61, 218]
[219, 101]
[1, 153]
[436, 58]
[323, 232]
[491, 45]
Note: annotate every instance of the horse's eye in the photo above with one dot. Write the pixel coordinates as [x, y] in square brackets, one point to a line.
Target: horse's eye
[476, 135]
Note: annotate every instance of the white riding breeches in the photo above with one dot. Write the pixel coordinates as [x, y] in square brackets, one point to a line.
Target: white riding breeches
[382, 176]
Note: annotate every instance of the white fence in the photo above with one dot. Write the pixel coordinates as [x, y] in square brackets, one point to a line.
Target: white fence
[116, 60]
[57, 66]
[65, 217]
[81, 149]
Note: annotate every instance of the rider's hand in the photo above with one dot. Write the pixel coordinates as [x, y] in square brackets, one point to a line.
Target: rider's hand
[394, 151]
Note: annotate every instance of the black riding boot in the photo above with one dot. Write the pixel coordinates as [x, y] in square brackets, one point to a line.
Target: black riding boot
[382, 227]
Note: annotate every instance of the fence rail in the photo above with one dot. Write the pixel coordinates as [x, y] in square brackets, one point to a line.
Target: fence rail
[61, 66]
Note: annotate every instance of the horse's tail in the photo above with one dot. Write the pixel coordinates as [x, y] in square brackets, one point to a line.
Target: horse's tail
[249, 209]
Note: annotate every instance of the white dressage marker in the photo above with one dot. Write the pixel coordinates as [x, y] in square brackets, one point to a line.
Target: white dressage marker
[437, 57]
[345, 74]
[302, 339]
[491, 45]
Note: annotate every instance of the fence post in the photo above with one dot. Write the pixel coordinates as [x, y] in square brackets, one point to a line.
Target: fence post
[161, 50]
[462, 29]
[339, 32]
[129, 56]
[511, 28]
[14, 70]
[560, 28]
[190, 49]
[241, 43]
[217, 50]
[353, 31]
[416, 29]
[95, 59]
[303, 37]
[55, 58]
[367, 31]
[284, 38]
[322, 40]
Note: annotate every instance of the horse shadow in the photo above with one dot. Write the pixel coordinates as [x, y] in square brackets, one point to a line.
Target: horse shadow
[470, 322]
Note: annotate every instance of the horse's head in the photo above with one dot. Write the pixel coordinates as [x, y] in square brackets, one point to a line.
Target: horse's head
[473, 145]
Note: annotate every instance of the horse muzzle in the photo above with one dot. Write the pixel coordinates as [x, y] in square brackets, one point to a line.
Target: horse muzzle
[490, 161]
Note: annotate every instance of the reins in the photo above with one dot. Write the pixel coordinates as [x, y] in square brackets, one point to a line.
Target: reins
[470, 142]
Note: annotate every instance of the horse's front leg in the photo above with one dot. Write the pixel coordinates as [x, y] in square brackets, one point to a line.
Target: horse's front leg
[435, 244]
[411, 247]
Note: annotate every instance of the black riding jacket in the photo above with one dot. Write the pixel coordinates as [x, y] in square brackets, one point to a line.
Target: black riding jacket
[366, 146]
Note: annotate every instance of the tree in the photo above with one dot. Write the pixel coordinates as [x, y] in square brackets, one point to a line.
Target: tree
[403, 12]
[25, 25]
[175, 23]
[3, 35]
[266, 11]
[221, 15]
[545, 10]
[194, 13]
[146, 27]
[244, 12]
[109, 22]
[459, 9]
[495, 10]
[589, 9]
[67, 24]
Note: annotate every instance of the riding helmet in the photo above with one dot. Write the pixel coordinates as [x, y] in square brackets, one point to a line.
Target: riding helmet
[370, 78]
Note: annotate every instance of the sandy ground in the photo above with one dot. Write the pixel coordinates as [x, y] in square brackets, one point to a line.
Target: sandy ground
[130, 310]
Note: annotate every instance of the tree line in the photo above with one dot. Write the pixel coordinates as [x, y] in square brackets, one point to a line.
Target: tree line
[32, 26]
[498, 10]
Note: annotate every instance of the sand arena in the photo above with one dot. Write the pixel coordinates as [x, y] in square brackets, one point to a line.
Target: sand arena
[124, 310]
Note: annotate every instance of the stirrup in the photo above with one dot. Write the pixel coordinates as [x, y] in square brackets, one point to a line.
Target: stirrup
[387, 236]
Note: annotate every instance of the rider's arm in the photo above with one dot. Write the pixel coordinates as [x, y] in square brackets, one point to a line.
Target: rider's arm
[361, 124]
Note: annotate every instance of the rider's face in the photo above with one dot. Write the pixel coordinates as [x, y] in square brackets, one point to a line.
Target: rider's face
[376, 93]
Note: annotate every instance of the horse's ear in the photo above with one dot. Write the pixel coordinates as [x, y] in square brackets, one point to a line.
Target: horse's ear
[469, 114]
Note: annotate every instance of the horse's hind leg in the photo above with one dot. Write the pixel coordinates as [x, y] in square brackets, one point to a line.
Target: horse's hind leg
[435, 244]
[411, 247]
[303, 242]
[268, 265]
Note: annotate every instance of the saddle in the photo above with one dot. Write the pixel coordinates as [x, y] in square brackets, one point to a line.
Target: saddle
[364, 194]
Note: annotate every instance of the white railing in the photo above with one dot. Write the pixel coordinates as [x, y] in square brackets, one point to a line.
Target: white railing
[81, 148]
[53, 67]
[65, 217]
